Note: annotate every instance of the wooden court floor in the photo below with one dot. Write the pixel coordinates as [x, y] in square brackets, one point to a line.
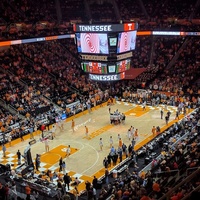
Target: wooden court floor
[86, 158]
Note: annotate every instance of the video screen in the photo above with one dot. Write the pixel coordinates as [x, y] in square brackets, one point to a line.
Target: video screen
[113, 41]
[111, 68]
[123, 65]
[94, 67]
[126, 41]
[93, 43]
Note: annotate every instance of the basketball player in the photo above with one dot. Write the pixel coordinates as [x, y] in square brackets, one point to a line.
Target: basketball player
[53, 131]
[118, 136]
[153, 131]
[68, 151]
[144, 105]
[161, 113]
[73, 125]
[129, 135]
[120, 143]
[111, 141]
[132, 131]
[86, 132]
[46, 142]
[101, 144]
[136, 133]
[109, 109]
[62, 125]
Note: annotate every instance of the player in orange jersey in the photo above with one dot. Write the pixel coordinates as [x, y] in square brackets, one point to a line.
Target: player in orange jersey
[86, 132]
[73, 125]
[153, 131]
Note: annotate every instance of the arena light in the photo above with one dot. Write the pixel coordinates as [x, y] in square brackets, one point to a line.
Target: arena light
[166, 32]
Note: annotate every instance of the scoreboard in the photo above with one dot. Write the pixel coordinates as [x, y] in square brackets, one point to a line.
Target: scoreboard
[105, 48]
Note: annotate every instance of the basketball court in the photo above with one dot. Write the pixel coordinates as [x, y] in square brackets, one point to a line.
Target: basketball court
[86, 159]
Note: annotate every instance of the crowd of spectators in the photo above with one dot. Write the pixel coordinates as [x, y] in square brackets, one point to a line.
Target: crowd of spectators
[141, 54]
[179, 76]
[182, 75]
[7, 15]
[25, 18]
[24, 99]
[159, 15]
[104, 13]
[128, 10]
[40, 80]
[168, 173]
[61, 80]
[155, 56]
[164, 50]
[73, 10]
[175, 8]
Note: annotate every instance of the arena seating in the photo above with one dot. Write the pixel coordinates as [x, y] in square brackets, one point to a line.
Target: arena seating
[104, 13]
[73, 10]
[171, 172]
[175, 8]
[128, 10]
[182, 73]
[47, 76]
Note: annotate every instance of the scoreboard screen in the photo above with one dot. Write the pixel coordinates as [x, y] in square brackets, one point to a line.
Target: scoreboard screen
[113, 41]
[94, 67]
[92, 43]
[123, 65]
[111, 68]
[126, 41]
[106, 67]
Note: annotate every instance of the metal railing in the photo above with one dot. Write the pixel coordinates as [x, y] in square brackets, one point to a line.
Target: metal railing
[191, 169]
[186, 180]
[176, 56]
[10, 108]
[51, 101]
[168, 172]
[189, 195]
[148, 167]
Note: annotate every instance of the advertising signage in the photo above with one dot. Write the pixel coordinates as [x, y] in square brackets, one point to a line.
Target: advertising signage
[105, 27]
[113, 77]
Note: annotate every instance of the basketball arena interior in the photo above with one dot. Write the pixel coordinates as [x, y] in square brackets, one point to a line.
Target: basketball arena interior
[99, 99]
